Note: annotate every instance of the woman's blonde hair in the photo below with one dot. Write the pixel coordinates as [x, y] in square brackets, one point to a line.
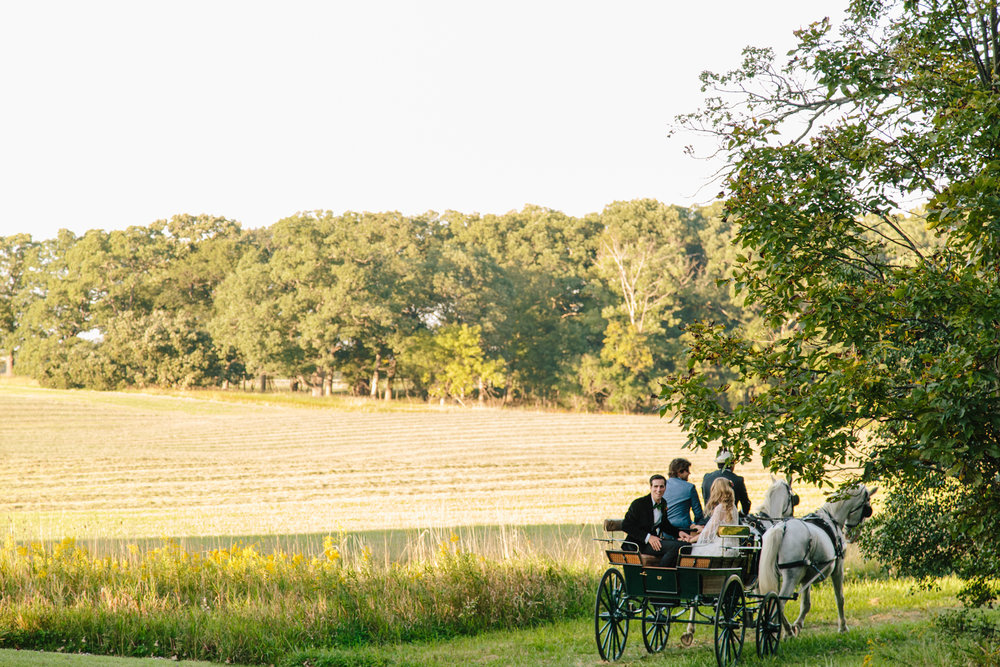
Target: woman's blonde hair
[722, 494]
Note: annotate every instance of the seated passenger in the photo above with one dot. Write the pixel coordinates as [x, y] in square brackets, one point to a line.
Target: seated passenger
[646, 525]
[721, 508]
[682, 497]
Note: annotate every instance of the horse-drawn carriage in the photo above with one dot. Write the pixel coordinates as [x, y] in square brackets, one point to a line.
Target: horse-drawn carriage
[634, 588]
[786, 553]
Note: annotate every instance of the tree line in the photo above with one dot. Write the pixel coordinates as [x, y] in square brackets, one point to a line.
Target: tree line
[532, 306]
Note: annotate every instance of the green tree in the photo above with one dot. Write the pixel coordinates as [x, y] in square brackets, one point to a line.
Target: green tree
[14, 252]
[884, 347]
[450, 362]
[648, 259]
[523, 277]
[326, 294]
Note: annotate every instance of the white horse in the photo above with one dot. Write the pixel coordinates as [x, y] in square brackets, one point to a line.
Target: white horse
[801, 552]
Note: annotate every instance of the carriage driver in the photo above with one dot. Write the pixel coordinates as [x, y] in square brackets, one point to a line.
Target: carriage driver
[725, 461]
[646, 525]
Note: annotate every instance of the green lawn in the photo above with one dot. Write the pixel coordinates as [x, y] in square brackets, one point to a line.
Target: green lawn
[12, 658]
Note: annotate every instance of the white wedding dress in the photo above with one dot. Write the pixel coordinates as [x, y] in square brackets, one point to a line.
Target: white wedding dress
[709, 543]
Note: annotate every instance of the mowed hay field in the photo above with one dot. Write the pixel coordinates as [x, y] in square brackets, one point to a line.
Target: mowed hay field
[125, 465]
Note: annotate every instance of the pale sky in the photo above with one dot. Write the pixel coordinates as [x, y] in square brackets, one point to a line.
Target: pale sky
[121, 113]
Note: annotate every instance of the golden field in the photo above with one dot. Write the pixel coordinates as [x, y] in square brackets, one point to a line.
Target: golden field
[126, 465]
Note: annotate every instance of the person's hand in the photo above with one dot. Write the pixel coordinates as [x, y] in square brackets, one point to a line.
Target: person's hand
[684, 537]
[694, 529]
[655, 542]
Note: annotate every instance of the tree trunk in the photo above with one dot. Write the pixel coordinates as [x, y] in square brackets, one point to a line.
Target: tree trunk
[328, 385]
[9, 370]
[374, 388]
[482, 391]
[390, 373]
[262, 381]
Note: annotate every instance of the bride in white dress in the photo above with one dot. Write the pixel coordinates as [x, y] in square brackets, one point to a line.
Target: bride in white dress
[721, 508]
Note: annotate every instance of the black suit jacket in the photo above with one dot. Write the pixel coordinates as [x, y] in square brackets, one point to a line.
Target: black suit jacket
[739, 487]
[638, 521]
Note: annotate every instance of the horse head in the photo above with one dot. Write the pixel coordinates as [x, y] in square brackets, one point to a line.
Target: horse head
[779, 501]
[853, 508]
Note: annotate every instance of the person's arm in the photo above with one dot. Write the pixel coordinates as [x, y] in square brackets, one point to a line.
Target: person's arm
[742, 496]
[633, 526]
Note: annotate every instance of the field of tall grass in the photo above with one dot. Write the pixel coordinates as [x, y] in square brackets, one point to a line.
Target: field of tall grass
[124, 465]
[200, 528]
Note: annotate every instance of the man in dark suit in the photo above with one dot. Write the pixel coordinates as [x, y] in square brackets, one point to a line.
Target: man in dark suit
[646, 525]
[725, 462]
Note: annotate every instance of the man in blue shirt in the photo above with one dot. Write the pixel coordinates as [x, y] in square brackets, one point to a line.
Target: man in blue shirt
[681, 496]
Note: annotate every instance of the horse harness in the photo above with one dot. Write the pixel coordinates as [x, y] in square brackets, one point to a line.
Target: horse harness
[824, 521]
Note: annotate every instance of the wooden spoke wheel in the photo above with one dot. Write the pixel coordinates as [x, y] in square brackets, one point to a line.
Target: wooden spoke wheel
[730, 628]
[655, 625]
[611, 615]
[768, 626]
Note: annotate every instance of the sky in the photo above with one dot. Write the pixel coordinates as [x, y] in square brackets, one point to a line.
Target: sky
[122, 113]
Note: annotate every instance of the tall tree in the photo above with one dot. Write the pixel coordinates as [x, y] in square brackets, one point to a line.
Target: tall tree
[885, 354]
[13, 259]
[522, 277]
[647, 259]
[329, 294]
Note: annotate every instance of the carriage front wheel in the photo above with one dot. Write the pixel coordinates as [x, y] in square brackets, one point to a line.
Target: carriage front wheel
[655, 625]
[611, 615]
[730, 629]
[768, 626]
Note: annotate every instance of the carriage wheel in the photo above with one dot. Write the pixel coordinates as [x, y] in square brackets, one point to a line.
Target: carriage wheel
[768, 626]
[611, 615]
[730, 629]
[655, 625]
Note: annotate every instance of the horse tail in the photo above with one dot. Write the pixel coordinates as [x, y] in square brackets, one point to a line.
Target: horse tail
[768, 576]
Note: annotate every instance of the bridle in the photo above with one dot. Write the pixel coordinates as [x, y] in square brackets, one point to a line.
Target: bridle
[865, 510]
[791, 502]
[788, 509]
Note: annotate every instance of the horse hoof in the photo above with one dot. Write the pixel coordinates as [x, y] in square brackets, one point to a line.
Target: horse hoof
[795, 630]
[686, 639]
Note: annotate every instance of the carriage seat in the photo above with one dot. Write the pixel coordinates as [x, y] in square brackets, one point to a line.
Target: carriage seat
[724, 552]
[614, 525]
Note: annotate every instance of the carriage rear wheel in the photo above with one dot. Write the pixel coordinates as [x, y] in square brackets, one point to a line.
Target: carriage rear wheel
[730, 630]
[768, 626]
[611, 615]
[655, 625]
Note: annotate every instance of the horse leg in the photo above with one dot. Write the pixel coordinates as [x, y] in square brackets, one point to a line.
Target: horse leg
[804, 606]
[838, 591]
[788, 583]
[688, 636]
